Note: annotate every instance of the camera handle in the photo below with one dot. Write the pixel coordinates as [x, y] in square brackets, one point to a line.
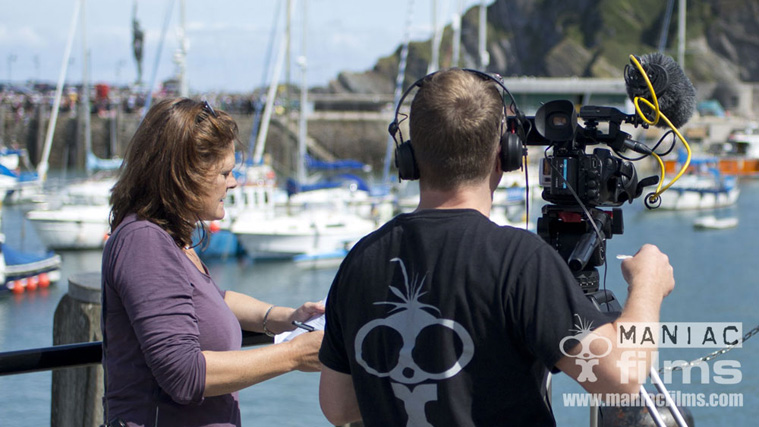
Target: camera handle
[605, 301]
[580, 243]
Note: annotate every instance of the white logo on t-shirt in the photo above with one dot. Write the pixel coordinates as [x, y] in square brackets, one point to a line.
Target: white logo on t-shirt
[409, 317]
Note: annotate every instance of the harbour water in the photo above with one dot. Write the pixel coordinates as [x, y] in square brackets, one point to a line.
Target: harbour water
[716, 274]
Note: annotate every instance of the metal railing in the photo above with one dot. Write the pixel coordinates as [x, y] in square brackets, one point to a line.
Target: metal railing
[76, 355]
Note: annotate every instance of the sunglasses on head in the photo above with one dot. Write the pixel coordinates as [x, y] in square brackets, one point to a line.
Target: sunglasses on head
[208, 109]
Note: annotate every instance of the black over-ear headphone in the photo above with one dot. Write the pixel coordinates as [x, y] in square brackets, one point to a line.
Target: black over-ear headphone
[512, 141]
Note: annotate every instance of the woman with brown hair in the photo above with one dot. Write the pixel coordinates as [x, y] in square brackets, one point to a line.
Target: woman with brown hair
[171, 338]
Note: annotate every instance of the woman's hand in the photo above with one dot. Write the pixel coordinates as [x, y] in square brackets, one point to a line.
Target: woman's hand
[305, 350]
[306, 311]
[228, 371]
[280, 319]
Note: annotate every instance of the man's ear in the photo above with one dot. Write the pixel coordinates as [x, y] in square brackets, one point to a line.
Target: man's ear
[497, 172]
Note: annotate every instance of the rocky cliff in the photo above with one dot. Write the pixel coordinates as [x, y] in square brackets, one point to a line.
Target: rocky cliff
[588, 38]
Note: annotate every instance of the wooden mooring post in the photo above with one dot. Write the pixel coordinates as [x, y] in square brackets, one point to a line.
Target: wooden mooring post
[77, 392]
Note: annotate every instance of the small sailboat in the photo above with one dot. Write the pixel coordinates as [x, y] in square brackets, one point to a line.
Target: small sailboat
[15, 182]
[311, 223]
[76, 216]
[26, 272]
[256, 192]
[72, 226]
[711, 222]
[254, 198]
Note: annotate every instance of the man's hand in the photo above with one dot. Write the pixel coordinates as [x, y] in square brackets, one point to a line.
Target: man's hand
[649, 270]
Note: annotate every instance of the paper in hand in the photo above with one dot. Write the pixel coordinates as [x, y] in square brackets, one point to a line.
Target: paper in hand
[317, 323]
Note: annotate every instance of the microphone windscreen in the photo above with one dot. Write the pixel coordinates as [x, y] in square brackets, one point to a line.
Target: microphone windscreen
[674, 91]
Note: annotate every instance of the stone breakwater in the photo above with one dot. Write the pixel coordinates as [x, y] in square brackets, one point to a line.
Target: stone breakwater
[358, 137]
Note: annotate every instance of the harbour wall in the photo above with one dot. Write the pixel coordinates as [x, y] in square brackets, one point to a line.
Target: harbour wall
[357, 135]
[360, 136]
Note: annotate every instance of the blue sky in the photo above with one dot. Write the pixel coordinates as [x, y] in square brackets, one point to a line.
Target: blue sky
[228, 39]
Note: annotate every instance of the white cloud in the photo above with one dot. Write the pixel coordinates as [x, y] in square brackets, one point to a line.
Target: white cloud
[22, 37]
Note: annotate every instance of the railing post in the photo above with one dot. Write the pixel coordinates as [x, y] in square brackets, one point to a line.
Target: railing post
[77, 392]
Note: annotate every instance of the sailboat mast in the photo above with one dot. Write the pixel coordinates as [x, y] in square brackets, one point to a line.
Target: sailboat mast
[86, 87]
[264, 79]
[681, 34]
[303, 120]
[456, 24]
[436, 39]
[484, 55]
[42, 166]
[665, 25]
[270, 96]
[184, 89]
[398, 89]
[151, 85]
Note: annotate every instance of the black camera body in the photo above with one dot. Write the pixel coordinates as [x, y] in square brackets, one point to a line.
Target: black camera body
[598, 179]
[576, 183]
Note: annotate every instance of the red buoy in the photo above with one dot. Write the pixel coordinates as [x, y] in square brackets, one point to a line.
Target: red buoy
[18, 287]
[43, 280]
[32, 282]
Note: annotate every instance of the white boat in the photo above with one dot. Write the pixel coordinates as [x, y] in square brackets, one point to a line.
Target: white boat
[744, 141]
[739, 155]
[15, 182]
[711, 222]
[26, 272]
[72, 226]
[74, 216]
[255, 197]
[316, 219]
[95, 190]
[309, 232]
[701, 192]
[702, 187]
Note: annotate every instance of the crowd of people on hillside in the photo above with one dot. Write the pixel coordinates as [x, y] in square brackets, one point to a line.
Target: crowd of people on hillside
[21, 102]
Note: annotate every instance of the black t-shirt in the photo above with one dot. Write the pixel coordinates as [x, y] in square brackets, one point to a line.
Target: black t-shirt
[444, 318]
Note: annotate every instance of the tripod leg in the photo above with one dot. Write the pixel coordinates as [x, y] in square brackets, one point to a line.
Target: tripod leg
[670, 403]
[651, 407]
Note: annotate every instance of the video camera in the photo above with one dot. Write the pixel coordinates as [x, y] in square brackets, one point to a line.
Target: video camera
[576, 183]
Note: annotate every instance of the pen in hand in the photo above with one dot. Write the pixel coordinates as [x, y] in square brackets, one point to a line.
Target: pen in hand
[302, 325]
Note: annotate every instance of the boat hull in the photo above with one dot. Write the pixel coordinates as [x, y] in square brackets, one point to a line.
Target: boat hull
[72, 227]
[21, 272]
[290, 236]
[713, 223]
[678, 199]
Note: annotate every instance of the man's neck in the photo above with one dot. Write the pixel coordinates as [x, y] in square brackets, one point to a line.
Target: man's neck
[477, 197]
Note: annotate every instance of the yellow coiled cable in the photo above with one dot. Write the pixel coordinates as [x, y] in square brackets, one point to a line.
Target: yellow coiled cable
[660, 188]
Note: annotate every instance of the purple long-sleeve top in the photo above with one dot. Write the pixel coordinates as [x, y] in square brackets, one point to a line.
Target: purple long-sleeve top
[159, 313]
